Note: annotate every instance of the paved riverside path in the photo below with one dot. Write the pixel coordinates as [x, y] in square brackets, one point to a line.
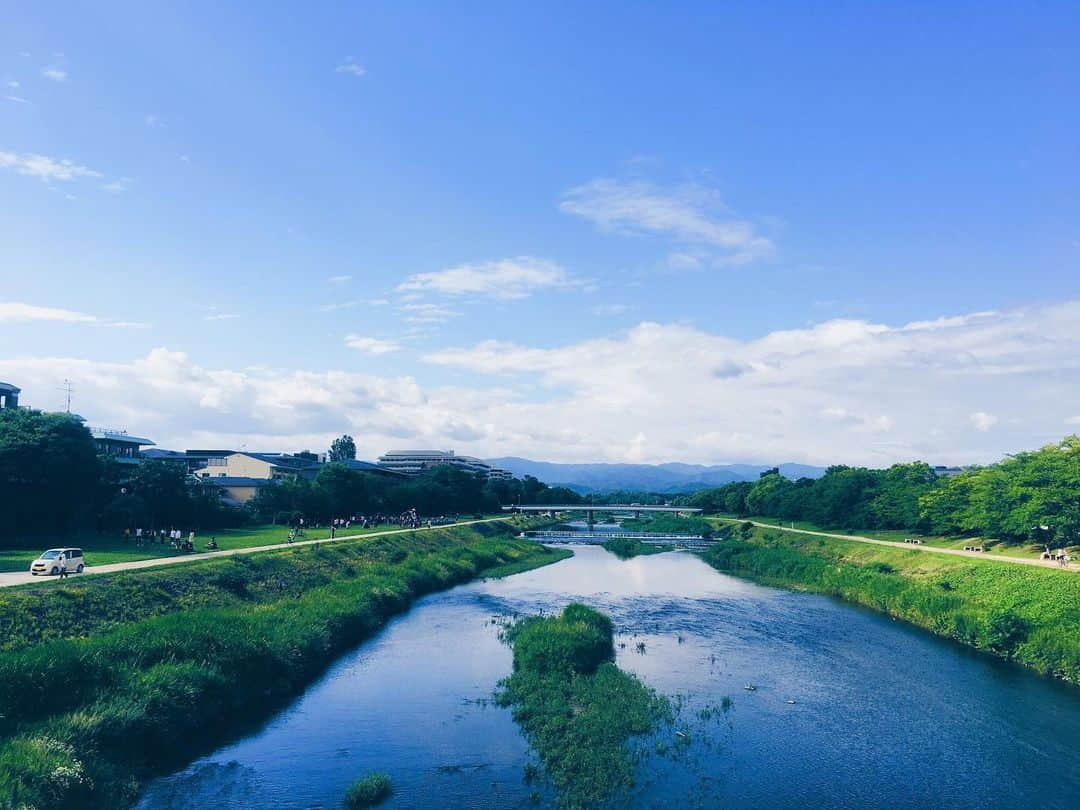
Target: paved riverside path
[956, 552]
[23, 577]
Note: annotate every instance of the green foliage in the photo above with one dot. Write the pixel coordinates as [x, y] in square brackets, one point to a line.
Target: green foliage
[1014, 499]
[577, 708]
[49, 471]
[342, 448]
[626, 548]
[368, 791]
[1026, 613]
[120, 677]
[442, 490]
[670, 524]
[1031, 496]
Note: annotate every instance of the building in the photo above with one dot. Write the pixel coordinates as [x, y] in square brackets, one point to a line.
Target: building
[239, 476]
[941, 471]
[236, 490]
[415, 462]
[157, 454]
[262, 466]
[9, 395]
[119, 445]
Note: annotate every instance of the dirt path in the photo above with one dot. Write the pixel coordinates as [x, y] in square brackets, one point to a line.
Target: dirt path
[23, 577]
[956, 552]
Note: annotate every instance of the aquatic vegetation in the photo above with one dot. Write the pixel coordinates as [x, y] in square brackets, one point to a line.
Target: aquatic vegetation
[1027, 614]
[368, 791]
[577, 708]
[111, 698]
[626, 547]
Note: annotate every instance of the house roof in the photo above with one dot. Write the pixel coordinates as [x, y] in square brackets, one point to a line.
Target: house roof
[370, 467]
[168, 455]
[235, 481]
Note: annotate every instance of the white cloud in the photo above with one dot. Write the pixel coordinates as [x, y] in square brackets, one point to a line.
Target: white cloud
[17, 99]
[221, 316]
[45, 168]
[15, 312]
[55, 74]
[339, 279]
[840, 391]
[688, 214]
[339, 305]
[351, 67]
[427, 313]
[603, 310]
[117, 186]
[506, 279]
[152, 120]
[779, 393]
[14, 85]
[1073, 420]
[370, 345]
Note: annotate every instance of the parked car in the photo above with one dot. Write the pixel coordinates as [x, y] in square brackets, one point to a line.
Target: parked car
[49, 562]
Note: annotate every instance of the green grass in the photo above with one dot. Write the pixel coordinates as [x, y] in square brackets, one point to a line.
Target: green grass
[576, 707]
[992, 547]
[625, 548]
[17, 554]
[368, 791]
[1027, 614]
[122, 676]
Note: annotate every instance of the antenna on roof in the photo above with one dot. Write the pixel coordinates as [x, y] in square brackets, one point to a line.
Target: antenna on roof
[68, 390]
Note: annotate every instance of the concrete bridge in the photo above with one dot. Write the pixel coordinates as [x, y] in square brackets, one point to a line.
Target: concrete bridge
[591, 509]
[695, 541]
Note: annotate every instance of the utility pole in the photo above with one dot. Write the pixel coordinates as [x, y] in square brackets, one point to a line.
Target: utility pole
[68, 391]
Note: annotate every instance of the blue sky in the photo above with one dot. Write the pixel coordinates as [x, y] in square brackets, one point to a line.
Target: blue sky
[413, 218]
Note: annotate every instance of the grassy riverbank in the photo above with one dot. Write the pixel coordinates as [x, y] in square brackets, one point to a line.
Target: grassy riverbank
[1027, 614]
[106, 681]
[16, 554]
[578, 709]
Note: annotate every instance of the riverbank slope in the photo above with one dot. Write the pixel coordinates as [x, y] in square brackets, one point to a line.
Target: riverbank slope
[105, 683]
[1027, 614]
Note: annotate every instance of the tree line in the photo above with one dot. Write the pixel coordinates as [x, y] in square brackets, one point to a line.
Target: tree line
[52, 479]
[1031, 496]
[339, 491]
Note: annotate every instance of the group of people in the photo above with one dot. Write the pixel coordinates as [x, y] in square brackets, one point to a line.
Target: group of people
[408, 519]
[1060, 556]
[174, 536]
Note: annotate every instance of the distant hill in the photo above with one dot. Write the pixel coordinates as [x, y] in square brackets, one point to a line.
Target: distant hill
[672, 477]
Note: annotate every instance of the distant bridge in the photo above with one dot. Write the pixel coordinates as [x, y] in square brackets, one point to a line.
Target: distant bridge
[591, 509]
[598, 538]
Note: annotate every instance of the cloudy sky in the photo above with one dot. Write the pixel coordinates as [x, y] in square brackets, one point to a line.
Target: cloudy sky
[600, 233]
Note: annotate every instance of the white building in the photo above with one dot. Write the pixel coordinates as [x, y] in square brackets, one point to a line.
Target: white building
[415, 462]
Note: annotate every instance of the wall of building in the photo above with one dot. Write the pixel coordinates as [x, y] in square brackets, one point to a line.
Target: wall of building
[238, 465]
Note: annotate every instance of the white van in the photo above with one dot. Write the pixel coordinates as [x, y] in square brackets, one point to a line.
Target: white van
[49, 562]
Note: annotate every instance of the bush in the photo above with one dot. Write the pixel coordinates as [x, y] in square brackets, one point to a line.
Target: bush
[368, 791]
[575, 706]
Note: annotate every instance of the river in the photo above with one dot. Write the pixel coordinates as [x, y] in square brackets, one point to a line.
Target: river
[883, 714]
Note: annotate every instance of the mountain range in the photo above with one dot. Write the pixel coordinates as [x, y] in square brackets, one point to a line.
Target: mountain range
[663, 478]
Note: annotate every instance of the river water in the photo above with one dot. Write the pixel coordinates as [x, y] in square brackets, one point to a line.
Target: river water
[883, 714]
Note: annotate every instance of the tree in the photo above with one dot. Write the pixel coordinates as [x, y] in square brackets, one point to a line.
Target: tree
[49, 471]
[343, 448]
[162, 487]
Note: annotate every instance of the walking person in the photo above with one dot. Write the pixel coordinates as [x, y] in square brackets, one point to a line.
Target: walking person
[62, 565]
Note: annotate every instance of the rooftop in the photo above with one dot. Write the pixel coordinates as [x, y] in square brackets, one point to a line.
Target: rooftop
[118, 436]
